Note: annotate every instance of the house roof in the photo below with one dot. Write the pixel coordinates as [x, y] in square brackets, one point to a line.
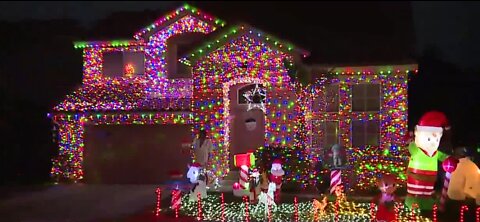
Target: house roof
[365, 69]
[126, 95]
[174, 16]
[104, 44]
[233, 32]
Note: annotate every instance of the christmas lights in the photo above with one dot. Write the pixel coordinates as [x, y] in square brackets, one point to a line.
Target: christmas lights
[240, 55]
[236, 211]
[218, 71]
[68, 163]
[462, 212]
[180, 12]
[477, 215]
[158, 191]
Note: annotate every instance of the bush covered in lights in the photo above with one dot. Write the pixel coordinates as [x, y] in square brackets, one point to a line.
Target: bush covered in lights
[298, 169]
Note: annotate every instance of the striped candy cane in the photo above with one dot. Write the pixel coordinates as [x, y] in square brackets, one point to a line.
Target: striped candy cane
[335, 180]
[176, 201]
[243, 180]
[443, 198]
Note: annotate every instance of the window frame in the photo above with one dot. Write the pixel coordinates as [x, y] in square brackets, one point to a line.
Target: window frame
[365, 97]
[322, 125]
[365, 132]
[124, 63]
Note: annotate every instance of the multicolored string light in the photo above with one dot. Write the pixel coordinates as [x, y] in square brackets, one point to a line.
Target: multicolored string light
[241, 55]
[158, 208]
[215, 73]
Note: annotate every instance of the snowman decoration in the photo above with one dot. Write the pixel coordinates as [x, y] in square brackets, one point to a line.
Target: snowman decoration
[199, 180]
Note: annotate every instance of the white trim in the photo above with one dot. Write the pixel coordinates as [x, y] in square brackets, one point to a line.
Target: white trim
[432, 129]
[419, 186]
[419, 192]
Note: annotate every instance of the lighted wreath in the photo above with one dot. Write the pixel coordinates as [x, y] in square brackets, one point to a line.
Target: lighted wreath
[256, 98]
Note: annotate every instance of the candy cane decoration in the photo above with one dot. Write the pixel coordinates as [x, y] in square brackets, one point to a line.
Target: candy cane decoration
[477, 215]
[176, 201]
[435, 213]
[444, 196]
[243, 180]
[295, 214]
[449, 165]
[247, 215]
[158, 191]
[199, 207]
[335, 180]
[372, 212]
[462, 212]
[223, 207]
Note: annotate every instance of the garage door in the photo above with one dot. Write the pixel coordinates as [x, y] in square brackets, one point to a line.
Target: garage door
[133, 154]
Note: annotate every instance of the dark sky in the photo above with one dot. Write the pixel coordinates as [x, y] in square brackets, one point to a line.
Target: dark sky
[38, 56]
[450, 26]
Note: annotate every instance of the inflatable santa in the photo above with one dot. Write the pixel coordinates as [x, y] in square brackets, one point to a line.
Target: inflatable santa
[276, 176]
[424, 154]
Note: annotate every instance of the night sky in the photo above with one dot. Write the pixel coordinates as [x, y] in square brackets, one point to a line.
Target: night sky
[39, 65]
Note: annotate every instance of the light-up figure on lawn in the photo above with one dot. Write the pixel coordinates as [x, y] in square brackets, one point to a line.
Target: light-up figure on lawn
[199, 180]
[424, 155]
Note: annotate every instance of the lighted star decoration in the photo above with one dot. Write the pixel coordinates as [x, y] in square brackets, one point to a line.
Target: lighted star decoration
[256, 98]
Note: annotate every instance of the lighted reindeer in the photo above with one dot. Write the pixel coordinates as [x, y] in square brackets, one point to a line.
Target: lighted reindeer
[319, 207]
[267, 199]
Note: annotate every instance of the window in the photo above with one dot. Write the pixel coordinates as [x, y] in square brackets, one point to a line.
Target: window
[365, 133]
[329, 101]
[365, 97]
[177, 47]
[113, 64]
[119, 64]
[331, 98]
[325, 134]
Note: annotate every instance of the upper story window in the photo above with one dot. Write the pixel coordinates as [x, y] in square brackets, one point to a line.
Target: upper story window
[178, 46]
[328, 101]
[123, 64]
[365, 97]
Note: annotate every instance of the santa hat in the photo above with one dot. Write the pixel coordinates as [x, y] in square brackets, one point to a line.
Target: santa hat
[196, 164]
[433, 121]
[277, 161]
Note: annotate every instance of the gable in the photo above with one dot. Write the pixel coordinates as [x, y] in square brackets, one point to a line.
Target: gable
[241, 59]
[236, 32]
[172, 17]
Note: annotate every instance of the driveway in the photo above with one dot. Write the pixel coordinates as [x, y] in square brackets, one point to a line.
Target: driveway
[77, 202]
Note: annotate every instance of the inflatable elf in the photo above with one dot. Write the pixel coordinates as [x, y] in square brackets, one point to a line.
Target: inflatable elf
[424, 154]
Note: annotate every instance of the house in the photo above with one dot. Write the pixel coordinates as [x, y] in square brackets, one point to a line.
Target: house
[141, 98]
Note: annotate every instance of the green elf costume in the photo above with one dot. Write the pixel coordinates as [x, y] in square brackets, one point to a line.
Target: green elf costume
[424, 154]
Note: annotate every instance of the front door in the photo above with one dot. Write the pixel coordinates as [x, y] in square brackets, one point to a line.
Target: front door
[247, 127]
